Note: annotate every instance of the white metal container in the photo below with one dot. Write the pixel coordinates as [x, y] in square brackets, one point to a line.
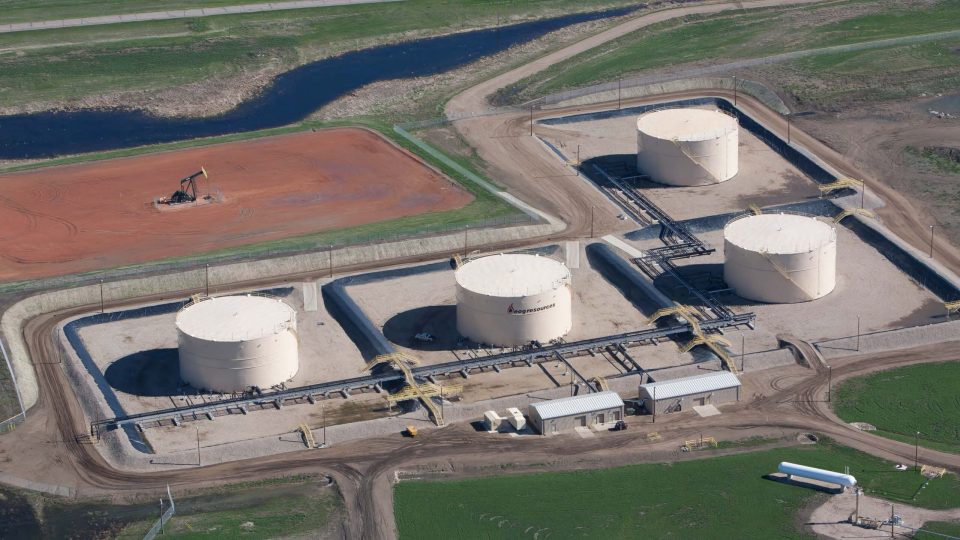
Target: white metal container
[516, 419]
[823, 475]
[492, 420]
[687, 147]
[780, 258]
[512, 299]
[232, 343]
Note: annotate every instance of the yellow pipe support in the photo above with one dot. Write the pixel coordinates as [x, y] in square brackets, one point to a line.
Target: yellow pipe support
[851, 212]
[840, 183]
[755, 209]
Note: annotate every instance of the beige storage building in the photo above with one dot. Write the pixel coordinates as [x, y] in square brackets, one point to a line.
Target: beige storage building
[688, 147]
[509, 300]
[564, 414]
[232, 343]
[780, 258]
[682, 394]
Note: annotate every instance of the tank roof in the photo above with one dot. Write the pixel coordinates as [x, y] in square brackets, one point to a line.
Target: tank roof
[780, 234]
[235, 318]
[686, 124]
[512, 274]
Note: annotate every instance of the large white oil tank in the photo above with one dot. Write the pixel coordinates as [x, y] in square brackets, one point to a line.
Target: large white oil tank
[512, 299]
[232, 343]
[780, 258]
[687, 147]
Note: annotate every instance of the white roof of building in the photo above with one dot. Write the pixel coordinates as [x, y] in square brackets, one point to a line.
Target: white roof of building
[233, 318]
[571, 406]
[512, 274]
[697, 384]
[780, 234]
[686, 124]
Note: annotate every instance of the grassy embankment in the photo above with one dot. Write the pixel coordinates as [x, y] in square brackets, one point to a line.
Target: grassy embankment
[724, 497]
[690, 42]
[69, 64]
[938, 160]
[304, 506]
[903, 401]
[952, 529]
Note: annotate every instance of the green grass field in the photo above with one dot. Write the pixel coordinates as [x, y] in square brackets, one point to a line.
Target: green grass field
[15, 11]
[952, 529]
[724, 497]
[736, 35]
[902, 401]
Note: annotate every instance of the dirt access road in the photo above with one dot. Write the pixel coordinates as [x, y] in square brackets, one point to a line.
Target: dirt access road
[51, 446]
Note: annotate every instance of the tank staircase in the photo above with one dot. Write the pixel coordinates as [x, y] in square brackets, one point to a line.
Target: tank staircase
[786, 275]
[694, 159]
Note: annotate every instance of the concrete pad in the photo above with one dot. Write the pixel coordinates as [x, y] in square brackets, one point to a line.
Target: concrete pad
[584, 432]
[706, 410]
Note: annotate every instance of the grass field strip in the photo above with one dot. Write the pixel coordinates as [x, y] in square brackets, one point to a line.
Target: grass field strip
[179, 14]
[644, 80]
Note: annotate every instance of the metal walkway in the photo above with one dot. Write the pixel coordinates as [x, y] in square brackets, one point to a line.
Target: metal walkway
[377, 382]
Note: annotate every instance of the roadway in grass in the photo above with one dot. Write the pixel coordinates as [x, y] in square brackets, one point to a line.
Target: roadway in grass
[723, 497]
[902, 401]
[737, 35]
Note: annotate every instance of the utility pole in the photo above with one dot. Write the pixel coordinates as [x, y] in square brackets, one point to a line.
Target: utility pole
[101, 296]
[531, 119]
[863, 195]
[858, 333]
[788, 129]
[330, 258]
[161, 515]
[829, 383]
[891, 521]
[207, 280]
[592, 208]
[916, 452]
[619, 85]
[323, 415]
[856, 513]
[743, 350]
[199, 463]
[654, 404]
[931, 241]
[578, 160]
[734, 90]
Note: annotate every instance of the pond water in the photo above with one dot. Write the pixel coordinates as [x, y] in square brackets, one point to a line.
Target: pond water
[293, 96]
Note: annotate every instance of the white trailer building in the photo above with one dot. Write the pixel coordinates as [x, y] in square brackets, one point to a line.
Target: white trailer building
[678, 394]
[552, 417]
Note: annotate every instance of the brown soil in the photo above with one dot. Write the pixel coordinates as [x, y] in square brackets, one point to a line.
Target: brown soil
[78, 218]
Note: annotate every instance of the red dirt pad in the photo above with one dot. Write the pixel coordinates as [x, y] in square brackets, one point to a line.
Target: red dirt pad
[77, 218]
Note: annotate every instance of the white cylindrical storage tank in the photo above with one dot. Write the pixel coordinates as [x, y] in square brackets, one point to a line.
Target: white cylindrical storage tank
[780, 258]
[232, 343]
[823, 475]
[512, 299]
[687, 147]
